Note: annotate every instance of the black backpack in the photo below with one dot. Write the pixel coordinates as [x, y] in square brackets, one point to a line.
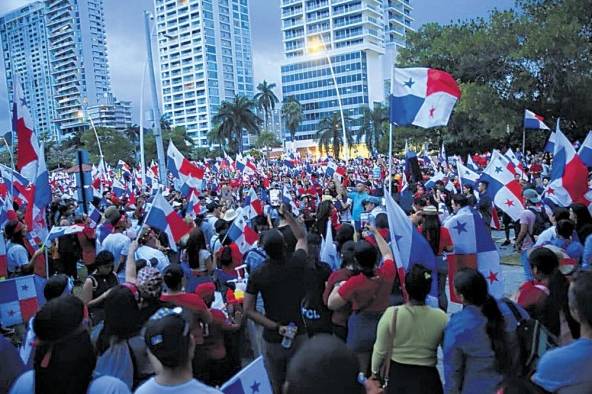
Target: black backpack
[534, 340]
[541, 222]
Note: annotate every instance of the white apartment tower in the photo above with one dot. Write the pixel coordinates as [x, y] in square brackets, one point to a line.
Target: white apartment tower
[25, 50]
[205, 57]
[78, 49]
[360, 37]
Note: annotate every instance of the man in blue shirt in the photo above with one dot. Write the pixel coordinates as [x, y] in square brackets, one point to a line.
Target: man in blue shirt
[568, 369]
[357, 196]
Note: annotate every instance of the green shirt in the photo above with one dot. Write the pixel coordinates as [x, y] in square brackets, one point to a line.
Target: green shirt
[418, 332]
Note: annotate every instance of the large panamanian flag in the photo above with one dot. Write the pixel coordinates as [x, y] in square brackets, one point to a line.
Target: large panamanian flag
[423, 97]
[186, 172]
[534, 121]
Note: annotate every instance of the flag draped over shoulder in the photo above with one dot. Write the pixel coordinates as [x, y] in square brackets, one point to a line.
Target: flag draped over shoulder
[473, 248]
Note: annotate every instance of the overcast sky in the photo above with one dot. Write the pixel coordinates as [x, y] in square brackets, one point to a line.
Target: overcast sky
[126, 42]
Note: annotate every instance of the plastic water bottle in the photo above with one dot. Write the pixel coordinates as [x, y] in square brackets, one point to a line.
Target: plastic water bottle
[290, 334]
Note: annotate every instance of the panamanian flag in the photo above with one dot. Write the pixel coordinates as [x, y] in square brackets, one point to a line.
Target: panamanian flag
[241, 234]
[466, 175]
[585, 151]
[504, 190]
[188, 174]
[534, 121]
[163, 217]
[20, 299]
[423, 97]
[252, 379]
[569, 175]
[473, 248]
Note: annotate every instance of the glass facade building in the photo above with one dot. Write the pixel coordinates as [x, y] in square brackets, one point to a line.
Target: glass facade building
[205, 57]
[360, 37]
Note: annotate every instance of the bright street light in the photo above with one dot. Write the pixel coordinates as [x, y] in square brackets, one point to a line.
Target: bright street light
[316, 45]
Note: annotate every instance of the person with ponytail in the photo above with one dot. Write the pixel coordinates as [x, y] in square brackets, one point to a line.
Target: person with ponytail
[476, 351]
[439, 239]
[407, 339]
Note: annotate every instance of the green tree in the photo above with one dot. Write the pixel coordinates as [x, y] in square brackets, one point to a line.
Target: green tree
[292, 115]
[176, 134]
[267, 140]
[234, 118]
[330, 134]
[266, 99]
[535, 57]
[374, 124]
[115, 145]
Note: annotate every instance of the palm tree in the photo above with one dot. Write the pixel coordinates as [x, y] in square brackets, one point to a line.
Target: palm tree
[330, 134]
[373, 126]
[235, 117]
[292, 115]
[267, 140]
[266, 99]
[215, 138]
[165, 122]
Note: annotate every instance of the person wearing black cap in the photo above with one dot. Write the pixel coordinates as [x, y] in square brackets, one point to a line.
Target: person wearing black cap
[280, 282]
[170, 349]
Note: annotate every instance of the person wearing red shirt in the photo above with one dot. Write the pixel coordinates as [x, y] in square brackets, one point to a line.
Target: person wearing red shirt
[439, 239]
[214, 367]
[173, 278]
[340, 316]
[369, 293]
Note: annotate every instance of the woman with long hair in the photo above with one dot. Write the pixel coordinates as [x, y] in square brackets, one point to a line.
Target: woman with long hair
[476, 351]
[439, 239]
[64, 356]
[369, 293]
[408, 337]
[545, 297]
[580, 215]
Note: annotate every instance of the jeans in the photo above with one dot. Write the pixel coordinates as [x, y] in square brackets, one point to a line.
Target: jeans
[276, 359]
[526, 265]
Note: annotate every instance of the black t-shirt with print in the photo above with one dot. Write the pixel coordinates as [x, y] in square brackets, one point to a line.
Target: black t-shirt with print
[282, 288]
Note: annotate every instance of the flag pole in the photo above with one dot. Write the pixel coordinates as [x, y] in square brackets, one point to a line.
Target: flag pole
[523, 140]
[390, 168]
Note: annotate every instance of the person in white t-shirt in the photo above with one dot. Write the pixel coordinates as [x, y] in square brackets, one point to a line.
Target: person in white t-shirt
[170, 349]
[118, 244]
[150, 250]
[550, 234]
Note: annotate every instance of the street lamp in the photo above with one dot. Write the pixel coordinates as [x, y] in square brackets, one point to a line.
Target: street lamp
[316, 44]
[83, 114]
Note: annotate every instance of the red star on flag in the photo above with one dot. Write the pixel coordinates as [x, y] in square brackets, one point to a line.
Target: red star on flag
[492, 277]
[432, 110]
[550, 190]
[509, 203]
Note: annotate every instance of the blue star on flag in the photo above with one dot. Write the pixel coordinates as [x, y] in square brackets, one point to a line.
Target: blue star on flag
[498, 170]
[255, 387]
[409, 83]
[23, 101]
[460, 227]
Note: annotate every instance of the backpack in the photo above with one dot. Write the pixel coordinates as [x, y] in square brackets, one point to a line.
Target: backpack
[541, 222]
[533, 338]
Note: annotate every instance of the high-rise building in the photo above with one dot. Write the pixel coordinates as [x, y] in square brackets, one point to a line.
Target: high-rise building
[58, 49]
[348, 43]
[25, 50]
[78, 48]
[205, 57]
[110, 112]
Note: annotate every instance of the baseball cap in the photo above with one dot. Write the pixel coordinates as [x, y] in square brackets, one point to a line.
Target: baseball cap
[167, 336]
[531, 195]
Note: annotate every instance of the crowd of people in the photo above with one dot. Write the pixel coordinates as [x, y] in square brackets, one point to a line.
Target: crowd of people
[126, 310]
